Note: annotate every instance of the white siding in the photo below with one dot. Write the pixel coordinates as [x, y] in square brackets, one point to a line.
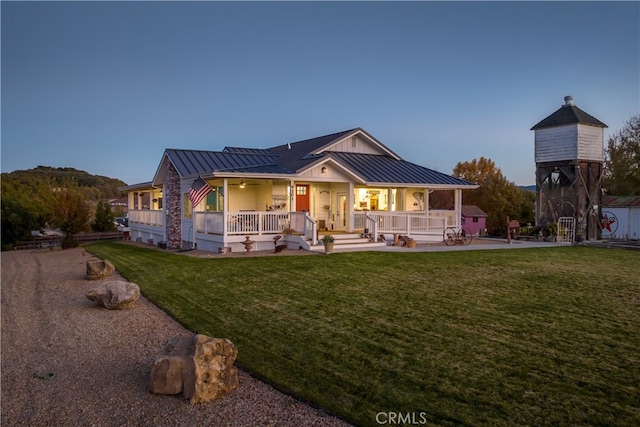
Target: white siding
[356, 144]
[556, 144]
[590, 143]
[624, 223]
[331, 174]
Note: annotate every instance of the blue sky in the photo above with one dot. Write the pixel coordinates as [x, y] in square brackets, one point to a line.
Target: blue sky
[107, 86]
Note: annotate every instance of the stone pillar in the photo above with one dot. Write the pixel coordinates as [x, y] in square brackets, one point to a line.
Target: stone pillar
[173, 207]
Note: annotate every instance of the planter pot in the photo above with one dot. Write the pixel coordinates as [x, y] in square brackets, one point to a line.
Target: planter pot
[328, 247]
[411, 243]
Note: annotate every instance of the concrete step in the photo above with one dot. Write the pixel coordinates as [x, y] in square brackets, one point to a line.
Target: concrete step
[346, 241]
[348, 247]
[342, 236]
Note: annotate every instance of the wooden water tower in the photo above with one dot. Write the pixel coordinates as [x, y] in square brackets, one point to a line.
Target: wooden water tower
[569, 152]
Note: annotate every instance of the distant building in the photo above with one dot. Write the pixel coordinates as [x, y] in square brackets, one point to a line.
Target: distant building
[141, 200]
[120, 202]
[474, 219]
[569, 155]
[620, 217]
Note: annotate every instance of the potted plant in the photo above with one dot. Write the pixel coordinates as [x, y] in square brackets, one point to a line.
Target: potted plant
[327, 241]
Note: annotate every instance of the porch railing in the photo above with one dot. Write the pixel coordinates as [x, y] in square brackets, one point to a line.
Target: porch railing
[246, 223]
[241, 223]
[145, 217]
[403, 222]
[252, 223]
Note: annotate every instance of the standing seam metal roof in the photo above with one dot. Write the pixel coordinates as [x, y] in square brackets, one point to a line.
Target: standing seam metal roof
[285, 159]
[194, 162]
[381, 169]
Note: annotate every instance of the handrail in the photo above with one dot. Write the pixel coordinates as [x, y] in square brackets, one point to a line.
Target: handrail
[310, 229]
[373, 226]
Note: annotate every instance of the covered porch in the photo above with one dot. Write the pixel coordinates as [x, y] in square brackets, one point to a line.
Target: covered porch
[263, 208]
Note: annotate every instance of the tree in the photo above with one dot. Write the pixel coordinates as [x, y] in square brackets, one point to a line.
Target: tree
[30, 196]
[71, 214]
[104, 217]
[496, 196]
[622, 160]
[26, 207]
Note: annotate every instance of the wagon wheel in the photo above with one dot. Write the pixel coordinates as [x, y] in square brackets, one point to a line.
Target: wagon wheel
[465, 236]
[449, 236]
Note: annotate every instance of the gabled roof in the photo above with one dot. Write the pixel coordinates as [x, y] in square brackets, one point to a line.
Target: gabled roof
[297, 157]
[566, 115]
[469, 211]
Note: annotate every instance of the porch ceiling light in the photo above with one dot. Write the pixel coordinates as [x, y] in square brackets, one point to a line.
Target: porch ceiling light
[242, 184]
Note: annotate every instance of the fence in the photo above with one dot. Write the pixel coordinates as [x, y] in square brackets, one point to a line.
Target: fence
[566, 230]
[38, 242]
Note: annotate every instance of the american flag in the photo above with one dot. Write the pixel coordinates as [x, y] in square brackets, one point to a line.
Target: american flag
[198, 191]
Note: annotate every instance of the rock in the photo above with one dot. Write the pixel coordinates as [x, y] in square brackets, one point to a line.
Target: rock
[115, 294]
[199, 366]
[99, 269]
[172, 365]
[215, 376]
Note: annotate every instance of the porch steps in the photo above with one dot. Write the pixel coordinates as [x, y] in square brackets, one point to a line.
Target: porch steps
[348, 241]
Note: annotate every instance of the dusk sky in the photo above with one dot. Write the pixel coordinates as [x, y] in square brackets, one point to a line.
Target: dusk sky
[106, 87]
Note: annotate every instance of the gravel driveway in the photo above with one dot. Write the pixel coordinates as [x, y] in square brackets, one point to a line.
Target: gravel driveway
[69, 362]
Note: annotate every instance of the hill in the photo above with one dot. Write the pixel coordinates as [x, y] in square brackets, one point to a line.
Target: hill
[37, 198]
[94, 187]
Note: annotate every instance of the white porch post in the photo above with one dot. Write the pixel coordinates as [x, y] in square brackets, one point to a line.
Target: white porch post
[225, 208]
[351, 202]
[426, 201]
[458, 207]
[292, 197]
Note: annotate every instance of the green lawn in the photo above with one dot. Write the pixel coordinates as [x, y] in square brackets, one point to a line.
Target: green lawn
[499, 337]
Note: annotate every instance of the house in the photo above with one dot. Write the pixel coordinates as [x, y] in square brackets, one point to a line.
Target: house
[474, 220]
[620, 217]
[346, 182]
[121, 204]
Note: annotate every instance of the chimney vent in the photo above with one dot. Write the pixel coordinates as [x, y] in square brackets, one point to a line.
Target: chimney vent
[568, 100]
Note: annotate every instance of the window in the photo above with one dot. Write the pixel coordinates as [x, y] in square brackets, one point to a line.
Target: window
[214, 200]
[475, 219]
[187, 209]
[301, 190]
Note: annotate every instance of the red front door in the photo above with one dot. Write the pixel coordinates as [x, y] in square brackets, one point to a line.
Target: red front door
[302, 197]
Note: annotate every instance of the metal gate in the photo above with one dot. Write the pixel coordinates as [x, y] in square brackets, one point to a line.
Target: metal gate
[566, 229]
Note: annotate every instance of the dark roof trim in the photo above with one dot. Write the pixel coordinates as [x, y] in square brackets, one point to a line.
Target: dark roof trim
[139, 186]
[615, 201]
[566, 115]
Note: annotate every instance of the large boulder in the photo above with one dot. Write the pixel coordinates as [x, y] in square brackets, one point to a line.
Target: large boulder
[172, 365]
[114, 294]
[199, 366]
[99, 269]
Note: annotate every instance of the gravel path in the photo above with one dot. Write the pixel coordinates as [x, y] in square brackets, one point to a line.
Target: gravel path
[68, 362]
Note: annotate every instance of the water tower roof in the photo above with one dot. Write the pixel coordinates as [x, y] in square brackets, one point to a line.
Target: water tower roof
[566, 115]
